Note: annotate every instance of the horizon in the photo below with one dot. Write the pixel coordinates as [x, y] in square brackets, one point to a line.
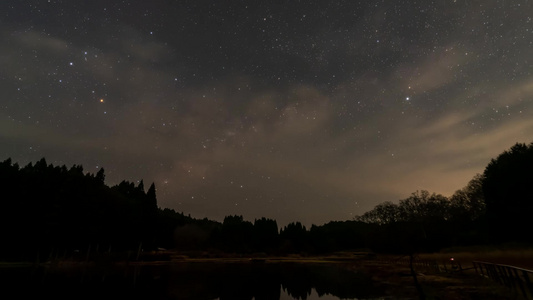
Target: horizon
[298, 113]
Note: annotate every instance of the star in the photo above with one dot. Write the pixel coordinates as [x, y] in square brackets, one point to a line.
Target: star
[299, 90]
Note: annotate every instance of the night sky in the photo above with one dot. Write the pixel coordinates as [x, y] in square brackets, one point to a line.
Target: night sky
[305, 111]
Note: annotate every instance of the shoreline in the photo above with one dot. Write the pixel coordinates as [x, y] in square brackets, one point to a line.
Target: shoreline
[395, 279]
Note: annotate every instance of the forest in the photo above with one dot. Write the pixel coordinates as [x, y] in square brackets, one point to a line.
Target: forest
[51, 212]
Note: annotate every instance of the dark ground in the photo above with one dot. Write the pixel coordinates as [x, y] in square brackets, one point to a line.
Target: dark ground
[399, 283]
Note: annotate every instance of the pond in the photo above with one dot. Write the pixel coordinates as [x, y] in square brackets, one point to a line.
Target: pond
[192, 281]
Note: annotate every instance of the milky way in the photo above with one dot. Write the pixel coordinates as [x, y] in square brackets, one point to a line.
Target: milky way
[294, 110]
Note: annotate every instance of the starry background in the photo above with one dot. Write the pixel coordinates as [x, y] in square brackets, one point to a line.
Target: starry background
[305, 111]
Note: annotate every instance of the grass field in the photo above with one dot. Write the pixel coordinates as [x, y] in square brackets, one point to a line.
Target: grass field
[521, 257]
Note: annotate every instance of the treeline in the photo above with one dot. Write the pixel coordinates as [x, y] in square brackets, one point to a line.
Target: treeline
[236, 235]
[428, 222]
[49, 210]
[494, 208]
[53, 211]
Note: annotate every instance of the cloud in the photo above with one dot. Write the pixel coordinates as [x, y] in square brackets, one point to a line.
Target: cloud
[294, 143]
[220, 135]
[516, 93]
[43, 42]
[436, 70]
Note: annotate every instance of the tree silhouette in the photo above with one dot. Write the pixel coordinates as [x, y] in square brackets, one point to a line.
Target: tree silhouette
[46, 210]
[468, 203]
[49, 209]
[265, 235]
[507, 187]
[294, 237]
[237, 234]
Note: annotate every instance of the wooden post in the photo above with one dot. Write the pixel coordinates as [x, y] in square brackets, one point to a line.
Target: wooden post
[139, 251]
[494, 274]
[415, 279]
[528, 282]
[88, 253]
[503, 274]
[519, 282]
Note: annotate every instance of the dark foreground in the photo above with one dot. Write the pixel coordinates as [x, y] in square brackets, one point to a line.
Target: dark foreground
[242, 278]
[399, 284]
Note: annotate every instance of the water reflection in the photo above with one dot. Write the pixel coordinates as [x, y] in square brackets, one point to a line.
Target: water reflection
[192, 281]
